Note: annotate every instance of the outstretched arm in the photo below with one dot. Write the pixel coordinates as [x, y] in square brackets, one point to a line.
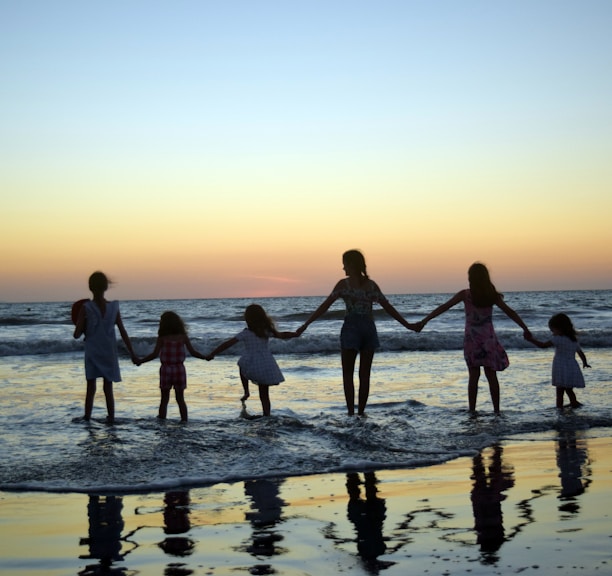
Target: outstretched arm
[192, 350]
[513, 315]
[390, 309]
[319, 311]
[153, 354]
[284, 335]
[538, 343]
[125, 337]
[443, 307]
[223, 346]
[585, 364]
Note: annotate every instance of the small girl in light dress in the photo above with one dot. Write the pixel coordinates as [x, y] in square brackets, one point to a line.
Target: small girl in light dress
[172, 339]
[566, 374]
[256, 363]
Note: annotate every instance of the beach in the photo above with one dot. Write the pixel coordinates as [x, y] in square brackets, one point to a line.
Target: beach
[419, 485]
[533, 505]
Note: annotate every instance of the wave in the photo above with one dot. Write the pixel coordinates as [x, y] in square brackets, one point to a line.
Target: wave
[327, 344]
[142, 455]
[307, 344]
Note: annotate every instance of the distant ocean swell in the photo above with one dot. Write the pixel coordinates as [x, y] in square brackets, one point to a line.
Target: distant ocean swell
[308, 344]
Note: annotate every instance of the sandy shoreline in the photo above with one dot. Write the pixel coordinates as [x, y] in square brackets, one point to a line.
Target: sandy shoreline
[533, 505]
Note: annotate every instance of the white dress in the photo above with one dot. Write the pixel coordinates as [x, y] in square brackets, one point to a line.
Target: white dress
[101, 357]
[257, 363]
[565, 370]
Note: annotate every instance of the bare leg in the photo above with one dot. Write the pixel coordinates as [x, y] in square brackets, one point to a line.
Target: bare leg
[493, 388]
[572, 398]
[473, 377]
[560, 393]
[110, 401]
[245, 386]
[89, 398]
[163, 403]
[348, 358]
[264, 396]
[180, 400]
[365, 368]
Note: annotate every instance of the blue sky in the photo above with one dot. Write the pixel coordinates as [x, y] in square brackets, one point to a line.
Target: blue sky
[136, 136]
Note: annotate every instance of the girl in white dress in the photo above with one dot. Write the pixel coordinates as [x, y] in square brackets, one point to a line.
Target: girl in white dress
[97, 319]
[566, 374]
[256, 363]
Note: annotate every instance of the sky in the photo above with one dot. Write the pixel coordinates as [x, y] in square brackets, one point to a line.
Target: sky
[201, 149]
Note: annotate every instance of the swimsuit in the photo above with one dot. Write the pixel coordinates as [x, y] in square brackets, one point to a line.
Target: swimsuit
[359, 330]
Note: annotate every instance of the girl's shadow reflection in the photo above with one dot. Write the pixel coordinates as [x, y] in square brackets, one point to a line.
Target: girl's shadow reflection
[573, 462]
[104, 539]
[265, 513]
[367, 515]
[491, 477]
[176, 521]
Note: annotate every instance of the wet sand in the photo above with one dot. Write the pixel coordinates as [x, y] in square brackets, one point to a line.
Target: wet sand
[536, 505]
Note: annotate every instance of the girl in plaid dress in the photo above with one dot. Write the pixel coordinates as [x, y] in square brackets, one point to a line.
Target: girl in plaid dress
[256, 363]
[172, 340]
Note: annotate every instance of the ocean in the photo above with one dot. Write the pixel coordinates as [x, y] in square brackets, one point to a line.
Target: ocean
[416, 416]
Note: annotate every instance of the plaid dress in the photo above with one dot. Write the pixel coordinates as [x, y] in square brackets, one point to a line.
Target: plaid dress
[257, 363]
[172, 370]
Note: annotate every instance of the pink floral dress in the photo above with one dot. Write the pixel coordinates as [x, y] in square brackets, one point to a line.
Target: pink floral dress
[480, 345]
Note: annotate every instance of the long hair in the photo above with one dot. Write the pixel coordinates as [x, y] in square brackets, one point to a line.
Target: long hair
[258, 321]
[482, 289]
[563, 324]
[171, 324]
[355, 259]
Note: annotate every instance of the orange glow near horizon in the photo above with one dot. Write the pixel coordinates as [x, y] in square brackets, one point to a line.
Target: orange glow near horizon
[246, 160]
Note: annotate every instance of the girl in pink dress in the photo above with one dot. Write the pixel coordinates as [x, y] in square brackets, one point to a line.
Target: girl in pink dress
[172, 340]
[566, 374]
[481, 348]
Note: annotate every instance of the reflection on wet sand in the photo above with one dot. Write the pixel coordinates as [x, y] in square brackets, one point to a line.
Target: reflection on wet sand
[265, 514]
[385, 522]
[491, 478]
[104, 538]
[574, 471]
[176, 521]
[367, 515]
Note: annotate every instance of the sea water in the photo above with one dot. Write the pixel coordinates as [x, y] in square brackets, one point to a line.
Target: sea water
[416, 416]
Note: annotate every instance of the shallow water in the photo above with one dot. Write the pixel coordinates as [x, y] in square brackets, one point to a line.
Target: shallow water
[416, 416]
[531, 506]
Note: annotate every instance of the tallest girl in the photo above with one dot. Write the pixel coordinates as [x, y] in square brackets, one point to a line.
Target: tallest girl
[358, 335]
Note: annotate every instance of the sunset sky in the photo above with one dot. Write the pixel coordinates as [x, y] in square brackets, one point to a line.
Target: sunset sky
[217, 149]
